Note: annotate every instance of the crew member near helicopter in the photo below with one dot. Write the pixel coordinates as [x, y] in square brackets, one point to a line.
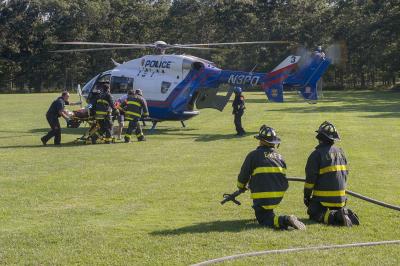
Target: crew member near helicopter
[326, 176]
[135, 107]
[102, 108]
[121, 117]
[264, 172]
[55, 111]
[238, 110]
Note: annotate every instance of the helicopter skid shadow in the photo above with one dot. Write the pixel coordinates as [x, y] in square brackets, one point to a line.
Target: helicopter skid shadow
[198, 137]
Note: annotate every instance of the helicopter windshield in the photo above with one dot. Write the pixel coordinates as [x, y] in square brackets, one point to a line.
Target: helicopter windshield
[88, 86]
[121, 84]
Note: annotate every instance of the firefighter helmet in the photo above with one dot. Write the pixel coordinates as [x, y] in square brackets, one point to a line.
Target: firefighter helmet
[237, 90]
[328, 130]
[139, 92]
[268, 135]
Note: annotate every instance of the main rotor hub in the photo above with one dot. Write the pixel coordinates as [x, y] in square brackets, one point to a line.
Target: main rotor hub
[160, 46]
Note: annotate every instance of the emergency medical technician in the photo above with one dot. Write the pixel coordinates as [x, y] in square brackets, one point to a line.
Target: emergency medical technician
[135, 107]
[264, 171]
[238, 110]
[326, 176]
[102, 106]
[55, 111]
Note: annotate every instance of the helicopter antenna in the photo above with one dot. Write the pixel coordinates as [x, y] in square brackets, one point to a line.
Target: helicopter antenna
[251, 71]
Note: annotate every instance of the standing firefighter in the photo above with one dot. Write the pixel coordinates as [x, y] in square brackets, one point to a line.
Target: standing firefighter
[264, 170]
[326, 176]
[238, 110]
[102, 106]
[135, 107]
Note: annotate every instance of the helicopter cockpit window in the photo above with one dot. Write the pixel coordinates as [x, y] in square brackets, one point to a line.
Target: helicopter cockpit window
[121, 84]
[105, 78]
[88, 86]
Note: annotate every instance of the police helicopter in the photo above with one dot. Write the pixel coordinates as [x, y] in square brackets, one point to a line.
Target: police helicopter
[176, 86]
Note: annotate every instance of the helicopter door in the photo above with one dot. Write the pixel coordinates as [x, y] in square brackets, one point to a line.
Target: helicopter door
[121, 85]
[208, 98]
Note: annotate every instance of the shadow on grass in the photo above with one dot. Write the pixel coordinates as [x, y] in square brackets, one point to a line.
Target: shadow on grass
[221, 226]
[197, 137]
[375, 104]
[215, 226]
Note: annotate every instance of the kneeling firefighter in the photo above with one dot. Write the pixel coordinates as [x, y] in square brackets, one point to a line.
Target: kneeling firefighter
[264, 170]
[135, 107]
[102, 106]
[326, 176]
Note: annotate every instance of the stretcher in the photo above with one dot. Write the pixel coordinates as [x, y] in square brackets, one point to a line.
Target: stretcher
[83, 116]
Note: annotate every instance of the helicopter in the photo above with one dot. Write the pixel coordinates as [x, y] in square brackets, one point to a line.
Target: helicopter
[174, 84]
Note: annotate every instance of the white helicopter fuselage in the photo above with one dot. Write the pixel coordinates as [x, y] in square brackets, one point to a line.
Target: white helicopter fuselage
[162, 79]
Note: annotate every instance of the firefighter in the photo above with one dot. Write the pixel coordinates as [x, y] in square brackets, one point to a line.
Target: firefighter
[264, 172]
[103, 104]
[135, 107]
[326, 176]
[55, 111]
[238, 110]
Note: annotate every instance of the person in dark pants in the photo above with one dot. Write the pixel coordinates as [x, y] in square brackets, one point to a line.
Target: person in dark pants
[135, 107]
[238, 110]
[55, 111]
[326, 176]
[102, 108]
[264, 172]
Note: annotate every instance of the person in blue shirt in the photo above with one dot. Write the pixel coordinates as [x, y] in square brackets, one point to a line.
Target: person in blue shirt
[55, 111]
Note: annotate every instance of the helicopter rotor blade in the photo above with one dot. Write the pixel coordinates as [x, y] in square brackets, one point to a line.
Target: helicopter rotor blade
[95, 49]
[232, 43]
[190, 47]
[106, 44]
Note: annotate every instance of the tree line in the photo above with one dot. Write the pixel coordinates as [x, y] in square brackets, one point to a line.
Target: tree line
[368, 29]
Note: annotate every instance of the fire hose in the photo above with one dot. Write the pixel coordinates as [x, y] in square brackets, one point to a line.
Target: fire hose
[289, 250]
[232, 197]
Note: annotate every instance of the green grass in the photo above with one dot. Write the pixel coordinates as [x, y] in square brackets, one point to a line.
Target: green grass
[157, 203]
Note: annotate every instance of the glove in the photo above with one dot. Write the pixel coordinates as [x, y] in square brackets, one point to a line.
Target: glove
[307, 201]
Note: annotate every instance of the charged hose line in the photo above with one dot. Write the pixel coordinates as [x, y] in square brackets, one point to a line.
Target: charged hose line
[279, 251]
[356, 195]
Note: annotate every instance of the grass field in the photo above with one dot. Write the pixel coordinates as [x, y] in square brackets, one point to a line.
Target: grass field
[157, 202]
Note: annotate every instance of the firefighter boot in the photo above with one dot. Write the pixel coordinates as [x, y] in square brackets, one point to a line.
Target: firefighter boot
[353, 217]
[343, 217]
[141, 138]
[295, 223]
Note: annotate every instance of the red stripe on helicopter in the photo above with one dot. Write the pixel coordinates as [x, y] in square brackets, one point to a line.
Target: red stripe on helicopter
[277, 76]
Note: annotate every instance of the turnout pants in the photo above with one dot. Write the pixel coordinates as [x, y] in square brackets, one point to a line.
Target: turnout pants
[55, 130]
[238, 122]
[268, 218]
[105, 128]
[330, 216]
[134, 125]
